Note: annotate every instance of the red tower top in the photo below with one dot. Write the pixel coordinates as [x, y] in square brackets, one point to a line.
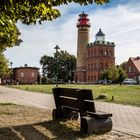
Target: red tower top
[83, 20]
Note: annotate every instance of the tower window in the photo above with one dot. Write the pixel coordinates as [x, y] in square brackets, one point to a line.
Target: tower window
[101, 65]
[91, 53]
[88, 53]
[111, 53]
[88, 66]
[106, 52]
[95, 65]
[95, 53]
[101, 52]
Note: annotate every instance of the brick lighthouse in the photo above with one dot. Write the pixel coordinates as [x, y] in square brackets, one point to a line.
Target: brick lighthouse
[83, 26]
[92, 57]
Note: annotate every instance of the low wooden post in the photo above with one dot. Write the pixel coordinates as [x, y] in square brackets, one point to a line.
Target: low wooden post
[95, 125]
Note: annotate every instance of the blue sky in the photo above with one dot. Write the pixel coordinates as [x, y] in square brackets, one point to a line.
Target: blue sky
[119, 20]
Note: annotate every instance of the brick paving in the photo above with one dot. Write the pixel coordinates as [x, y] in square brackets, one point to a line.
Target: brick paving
[125, 118]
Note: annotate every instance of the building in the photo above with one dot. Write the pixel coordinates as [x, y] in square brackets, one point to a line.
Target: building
[133, 68]
[94, 57]
[22, 75]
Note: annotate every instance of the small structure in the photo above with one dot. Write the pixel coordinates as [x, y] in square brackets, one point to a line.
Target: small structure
[133, 68]
[22, 75]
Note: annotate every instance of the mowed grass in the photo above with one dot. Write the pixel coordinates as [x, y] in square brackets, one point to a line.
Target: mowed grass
[123, 94]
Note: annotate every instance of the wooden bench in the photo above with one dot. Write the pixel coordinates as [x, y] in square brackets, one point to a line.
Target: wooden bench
[78, 103]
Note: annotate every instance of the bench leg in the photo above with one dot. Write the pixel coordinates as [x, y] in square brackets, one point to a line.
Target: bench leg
[57, 114]
[94, 125]
[70, 114]
[64, 114]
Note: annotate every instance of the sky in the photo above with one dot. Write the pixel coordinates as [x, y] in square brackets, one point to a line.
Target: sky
[119, 20]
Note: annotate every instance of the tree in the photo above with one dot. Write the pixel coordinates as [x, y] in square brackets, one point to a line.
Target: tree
[9, 37]
[3, 65]
[66, 66]
[29, 12]
[123, 65]
[122, 75]
[114, 73]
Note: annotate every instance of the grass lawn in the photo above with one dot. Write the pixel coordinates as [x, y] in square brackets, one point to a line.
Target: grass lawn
[27, 123]
[123, 94]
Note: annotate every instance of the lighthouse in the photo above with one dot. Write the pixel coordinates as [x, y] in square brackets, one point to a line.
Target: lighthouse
[93, 58]
[83, 38]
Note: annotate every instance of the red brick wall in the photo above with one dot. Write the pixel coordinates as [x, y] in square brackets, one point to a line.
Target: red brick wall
[131, 70]
[26, 75]
[99, 58]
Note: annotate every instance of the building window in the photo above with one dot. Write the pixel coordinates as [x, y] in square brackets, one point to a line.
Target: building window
[101, 52]
[101, 66]
[129, 69]
[33, 74]
[88, 78]
[106, 52]
[88, 53]
[106, 65]
[91, 66]
[88, 66]
[94, 78]
[91, 53]
[95, 66]
[111, 53]
[95, 53]
[22, 74]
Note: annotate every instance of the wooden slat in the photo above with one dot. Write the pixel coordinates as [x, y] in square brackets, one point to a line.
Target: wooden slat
[86, 94]
[67, 92]
[89, 106]
[71, 92]
[100, 114]
[68, 102]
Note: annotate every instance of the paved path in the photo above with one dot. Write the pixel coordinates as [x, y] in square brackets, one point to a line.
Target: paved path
[125, 118]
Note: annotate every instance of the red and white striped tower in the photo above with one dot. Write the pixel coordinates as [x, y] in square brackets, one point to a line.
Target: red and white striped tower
[83, 26]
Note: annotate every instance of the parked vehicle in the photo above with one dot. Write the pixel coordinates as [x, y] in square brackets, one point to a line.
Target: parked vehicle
[104, 82]
[129, 81]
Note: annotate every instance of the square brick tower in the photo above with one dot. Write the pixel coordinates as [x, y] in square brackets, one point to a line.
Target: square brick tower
[100, 56]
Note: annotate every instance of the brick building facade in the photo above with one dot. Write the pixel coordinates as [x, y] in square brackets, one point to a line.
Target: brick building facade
[92, 58]
[22, 75]
[25, 75]
[133, 68]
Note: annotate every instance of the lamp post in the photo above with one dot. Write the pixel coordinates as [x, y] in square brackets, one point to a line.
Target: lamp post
[11, 63]
[56, 48]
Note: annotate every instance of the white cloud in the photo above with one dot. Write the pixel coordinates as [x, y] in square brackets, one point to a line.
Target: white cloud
[120, 24]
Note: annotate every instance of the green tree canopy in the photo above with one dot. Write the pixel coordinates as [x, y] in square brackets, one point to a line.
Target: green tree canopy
[66, 66]
[3, 65]
[29, 12]
[114, 73]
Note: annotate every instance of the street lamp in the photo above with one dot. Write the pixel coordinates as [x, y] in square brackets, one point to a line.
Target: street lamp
[56, 48]
[11, 63]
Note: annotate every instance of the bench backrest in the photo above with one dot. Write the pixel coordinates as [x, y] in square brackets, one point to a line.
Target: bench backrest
[77, 99]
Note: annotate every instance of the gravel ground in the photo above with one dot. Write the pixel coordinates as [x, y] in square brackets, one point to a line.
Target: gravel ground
[19, 122]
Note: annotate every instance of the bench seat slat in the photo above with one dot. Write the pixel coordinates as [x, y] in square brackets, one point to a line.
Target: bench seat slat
[100, 114]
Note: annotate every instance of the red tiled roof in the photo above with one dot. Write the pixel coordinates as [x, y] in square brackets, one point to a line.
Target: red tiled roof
[136, 61]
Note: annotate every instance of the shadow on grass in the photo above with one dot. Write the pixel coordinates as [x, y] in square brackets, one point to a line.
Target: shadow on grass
[41, 131]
